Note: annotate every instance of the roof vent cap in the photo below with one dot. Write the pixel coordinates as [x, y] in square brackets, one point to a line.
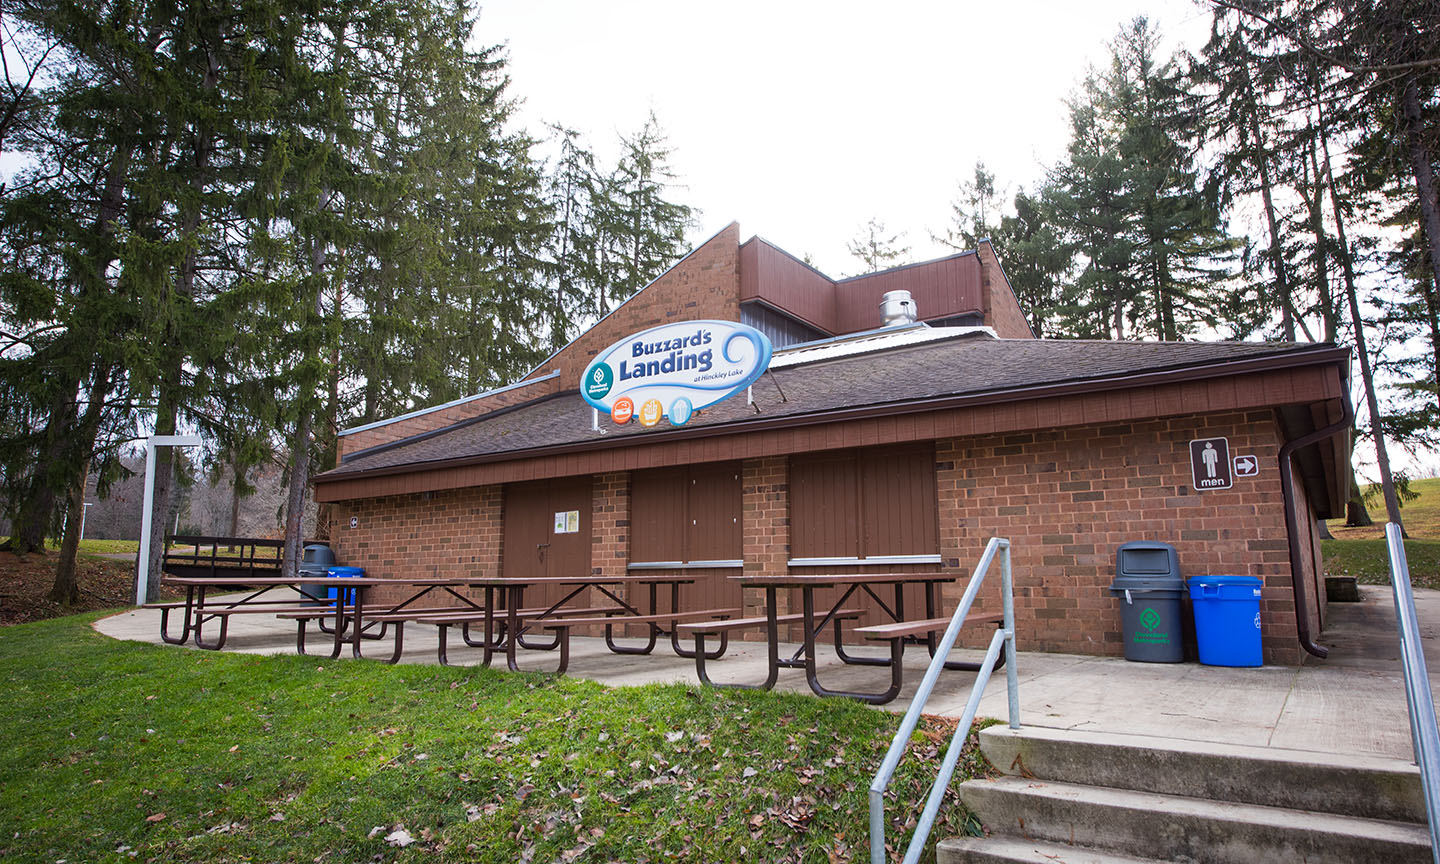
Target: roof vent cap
[897, 309]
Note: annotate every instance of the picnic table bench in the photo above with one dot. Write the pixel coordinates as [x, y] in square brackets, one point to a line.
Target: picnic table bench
[902, 630]
[561, 621]
[896, 633]
[725, 627]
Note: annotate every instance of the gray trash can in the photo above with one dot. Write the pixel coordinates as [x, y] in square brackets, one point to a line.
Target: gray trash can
[1151, 592]
[317, 561]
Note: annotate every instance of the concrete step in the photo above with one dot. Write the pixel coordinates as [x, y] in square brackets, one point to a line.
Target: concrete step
[1176, 828]
[1017, 850]
[1368, 786]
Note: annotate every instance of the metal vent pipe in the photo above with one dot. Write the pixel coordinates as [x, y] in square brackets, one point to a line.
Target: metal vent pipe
[897, 309]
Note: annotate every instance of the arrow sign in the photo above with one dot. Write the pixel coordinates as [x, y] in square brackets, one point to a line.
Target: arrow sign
[1246, 466]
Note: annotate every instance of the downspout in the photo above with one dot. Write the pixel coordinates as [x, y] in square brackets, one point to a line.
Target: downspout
[1292, 523]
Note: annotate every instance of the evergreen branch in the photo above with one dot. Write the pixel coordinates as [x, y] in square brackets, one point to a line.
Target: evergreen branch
[1334, 60]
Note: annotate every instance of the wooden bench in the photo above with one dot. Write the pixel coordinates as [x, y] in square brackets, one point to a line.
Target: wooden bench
[321, 610]
[561, 621]
[896, 633]
[724, 628]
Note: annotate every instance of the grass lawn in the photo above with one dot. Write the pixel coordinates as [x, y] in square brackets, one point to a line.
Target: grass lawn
[116, 751]
[1360, 552]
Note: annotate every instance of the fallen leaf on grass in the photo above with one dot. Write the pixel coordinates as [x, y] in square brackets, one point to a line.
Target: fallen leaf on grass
[155, 817]
[399, 838]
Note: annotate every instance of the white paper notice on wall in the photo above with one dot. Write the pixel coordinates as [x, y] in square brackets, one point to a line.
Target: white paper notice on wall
[567, 522]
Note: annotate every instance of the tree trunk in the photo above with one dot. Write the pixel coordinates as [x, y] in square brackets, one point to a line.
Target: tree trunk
[1420, 160]
[37, 511]
[295, 500]
[1356, 516]
[1432, 317]
[168, 403]
[66, 590]
[1367, 374]
[1278, 263]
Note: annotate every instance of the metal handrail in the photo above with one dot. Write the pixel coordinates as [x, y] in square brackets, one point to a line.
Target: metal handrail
[1005, 637]
[1423, 731]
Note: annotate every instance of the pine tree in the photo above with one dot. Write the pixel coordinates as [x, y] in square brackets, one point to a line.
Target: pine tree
[876, 247]
[1035, 258]
[975, 213]
[639, 231]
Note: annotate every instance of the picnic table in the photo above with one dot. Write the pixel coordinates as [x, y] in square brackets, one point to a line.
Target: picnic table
[899, 632]
[355, 601]
[508, 620]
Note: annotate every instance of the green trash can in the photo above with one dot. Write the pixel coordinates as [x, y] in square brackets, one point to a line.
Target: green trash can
[1152, 609]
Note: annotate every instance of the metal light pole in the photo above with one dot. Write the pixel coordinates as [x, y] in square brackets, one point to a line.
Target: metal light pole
[142, 559]
[84, 510]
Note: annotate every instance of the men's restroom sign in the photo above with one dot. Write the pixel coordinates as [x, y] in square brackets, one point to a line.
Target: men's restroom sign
[1210, 463]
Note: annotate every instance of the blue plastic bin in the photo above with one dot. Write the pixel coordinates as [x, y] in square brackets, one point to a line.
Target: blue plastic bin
[331, 592]
[1227, 619]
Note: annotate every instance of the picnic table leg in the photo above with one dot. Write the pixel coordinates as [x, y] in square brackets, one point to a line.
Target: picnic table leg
[653, 627]
[972, 666]
[897, 668]
[199, 622]
[512, 625]
[772, 643]
[512, 631]
[185, 626]
[675, 635]
[357, 619]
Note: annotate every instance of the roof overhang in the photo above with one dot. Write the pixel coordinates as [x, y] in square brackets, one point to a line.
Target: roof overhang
[1312, 378]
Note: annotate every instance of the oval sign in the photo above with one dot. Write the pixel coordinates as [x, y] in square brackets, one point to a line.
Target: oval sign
[692, 364]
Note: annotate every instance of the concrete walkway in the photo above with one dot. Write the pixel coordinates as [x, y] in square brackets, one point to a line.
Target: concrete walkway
[1353, 702]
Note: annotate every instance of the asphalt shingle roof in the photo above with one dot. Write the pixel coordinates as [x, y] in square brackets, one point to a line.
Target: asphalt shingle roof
[967, 365]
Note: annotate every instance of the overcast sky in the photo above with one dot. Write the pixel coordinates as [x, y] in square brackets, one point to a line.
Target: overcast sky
[802, 120]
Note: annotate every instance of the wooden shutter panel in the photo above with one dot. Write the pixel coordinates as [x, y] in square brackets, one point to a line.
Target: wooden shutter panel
[898, 507]
[657, 508]
[824, 506]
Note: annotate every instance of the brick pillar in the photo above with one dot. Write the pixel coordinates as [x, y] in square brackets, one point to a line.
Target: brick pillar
[610, 524]
[765, 506]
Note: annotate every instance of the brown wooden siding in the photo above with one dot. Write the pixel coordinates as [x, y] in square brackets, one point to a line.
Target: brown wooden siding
[1041, 410]
[768, 274]
[864, 503]
[657, 501]
[824, 506]
[897, 493]
[712, 514]
[950, 286]
[531, 545]
[686, 514]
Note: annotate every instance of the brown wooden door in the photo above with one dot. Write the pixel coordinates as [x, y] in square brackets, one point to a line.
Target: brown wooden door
[533, 547]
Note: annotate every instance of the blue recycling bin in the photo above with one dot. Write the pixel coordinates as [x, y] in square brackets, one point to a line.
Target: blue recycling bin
[331, 592]
[1227, 619]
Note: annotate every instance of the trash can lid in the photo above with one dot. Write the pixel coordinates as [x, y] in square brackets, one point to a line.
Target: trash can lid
[1225, 580]
[346, 571]
[1129, 582]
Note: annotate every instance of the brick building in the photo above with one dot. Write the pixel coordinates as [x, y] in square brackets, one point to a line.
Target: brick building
[883, 448]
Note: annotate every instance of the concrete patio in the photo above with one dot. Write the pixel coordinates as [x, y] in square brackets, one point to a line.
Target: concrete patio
[1352, 702]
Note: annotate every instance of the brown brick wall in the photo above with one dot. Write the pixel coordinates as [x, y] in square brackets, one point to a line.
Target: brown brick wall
[706, 284]
[610, 524]
[1002, 310]
[1067, 498]
[357, 441]
[447, 534]
[765, 515]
